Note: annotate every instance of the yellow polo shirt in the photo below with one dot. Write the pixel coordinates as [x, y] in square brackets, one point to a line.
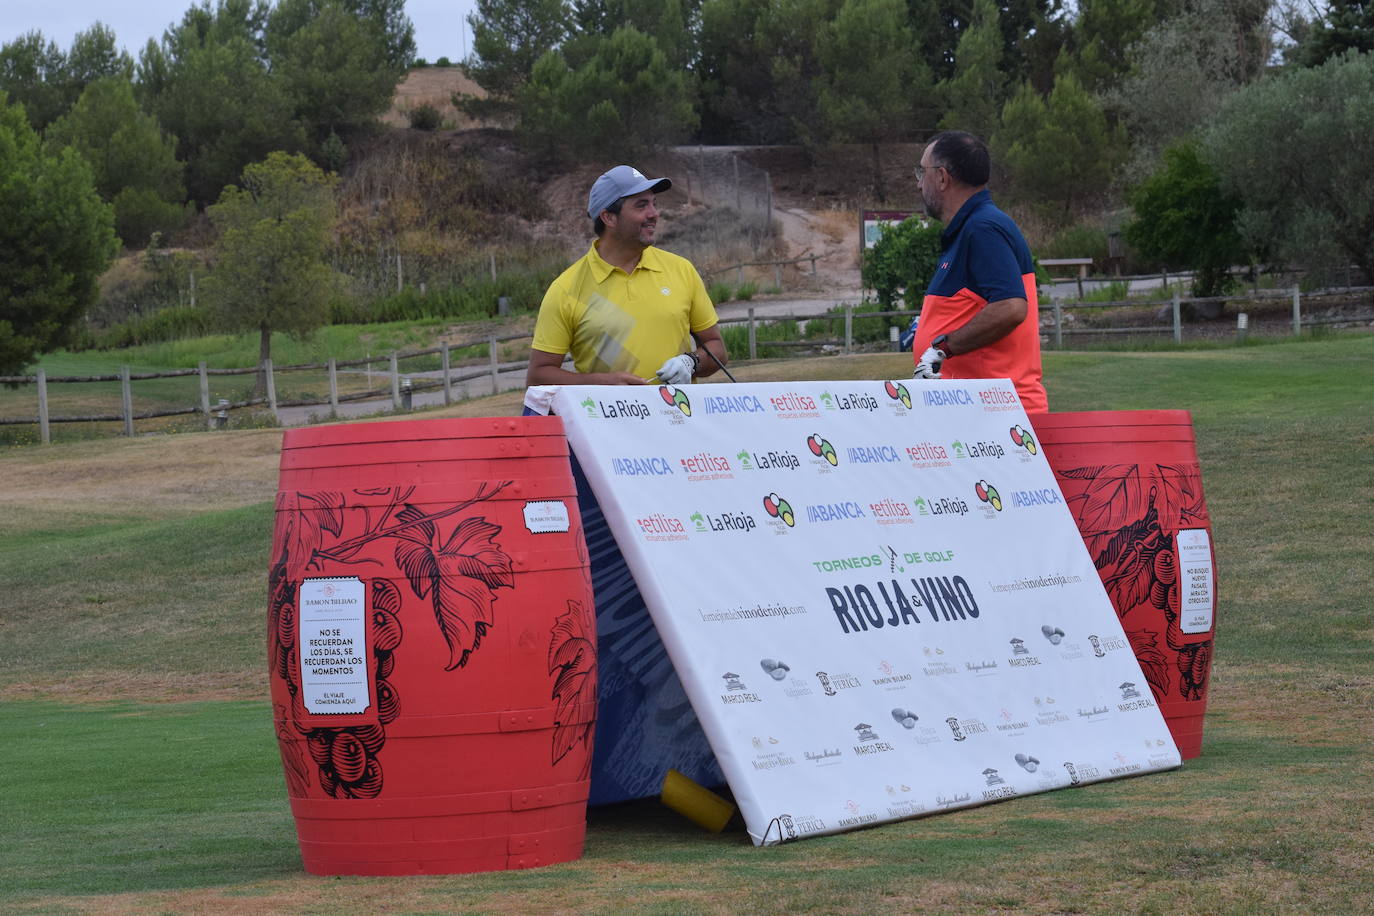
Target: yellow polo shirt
[611, 321]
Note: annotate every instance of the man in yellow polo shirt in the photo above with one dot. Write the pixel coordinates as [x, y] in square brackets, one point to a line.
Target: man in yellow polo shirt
[629, 313]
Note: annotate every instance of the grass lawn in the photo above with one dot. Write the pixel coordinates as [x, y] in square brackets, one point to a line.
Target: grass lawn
[142, 775]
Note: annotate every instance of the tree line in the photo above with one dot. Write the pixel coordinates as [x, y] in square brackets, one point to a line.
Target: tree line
[1179, 109]
[1234, 128]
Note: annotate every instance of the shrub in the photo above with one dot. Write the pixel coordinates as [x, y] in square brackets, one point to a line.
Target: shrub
[443, 62]
[424, 117]
[904, 259]
[719, 291]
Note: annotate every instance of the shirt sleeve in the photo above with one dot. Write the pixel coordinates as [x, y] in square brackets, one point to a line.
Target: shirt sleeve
[552, 332]
[702, 314]
[994, 272]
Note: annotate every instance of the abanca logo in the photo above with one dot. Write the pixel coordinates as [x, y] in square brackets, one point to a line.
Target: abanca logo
[676, 397]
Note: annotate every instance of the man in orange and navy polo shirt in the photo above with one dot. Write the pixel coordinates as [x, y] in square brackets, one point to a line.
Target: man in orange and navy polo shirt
[980, 316]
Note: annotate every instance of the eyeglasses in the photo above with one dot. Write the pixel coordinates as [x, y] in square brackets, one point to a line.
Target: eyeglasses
[921, 170]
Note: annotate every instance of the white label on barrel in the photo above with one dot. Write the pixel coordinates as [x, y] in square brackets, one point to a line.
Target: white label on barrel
[333, 646]
[1195, 580]
[546, 516]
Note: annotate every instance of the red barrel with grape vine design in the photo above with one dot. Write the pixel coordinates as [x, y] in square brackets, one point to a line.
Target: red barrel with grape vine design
[1134, 486]
[431, 646]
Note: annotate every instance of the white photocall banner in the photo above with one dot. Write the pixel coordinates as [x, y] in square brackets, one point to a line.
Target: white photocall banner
[873, 592]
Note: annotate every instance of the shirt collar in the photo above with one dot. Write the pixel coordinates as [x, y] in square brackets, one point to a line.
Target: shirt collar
[954, 225]
[648, 259]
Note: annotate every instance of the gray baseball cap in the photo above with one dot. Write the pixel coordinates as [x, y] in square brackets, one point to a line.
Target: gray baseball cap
[621, 181]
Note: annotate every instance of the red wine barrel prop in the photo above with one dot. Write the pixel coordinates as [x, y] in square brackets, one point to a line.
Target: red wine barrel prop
[1132, 481]
[431, 642]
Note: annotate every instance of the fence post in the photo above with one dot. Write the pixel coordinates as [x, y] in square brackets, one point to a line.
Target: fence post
[448, 382]
[495, 367]
[753, 336]
[127, 395]
[395, 383]
[493, 266]
[848, 328]
[777, 277]
[271, 389]
[739, 200]
[399, 284]
[813, 265]
[333, 387]
[739, 277]
[44, 433]
[205, 394]
[1178, 318]
[1297, 312]
[1058, 325]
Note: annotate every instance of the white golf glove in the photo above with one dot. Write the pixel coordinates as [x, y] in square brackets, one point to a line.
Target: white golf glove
[678, 370]
[929, 366]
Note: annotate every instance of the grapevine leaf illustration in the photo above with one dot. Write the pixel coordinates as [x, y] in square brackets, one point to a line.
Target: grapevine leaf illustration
[458, 578]
[572, 659]
[477, 555]
[1145, 643]
[1113, 491]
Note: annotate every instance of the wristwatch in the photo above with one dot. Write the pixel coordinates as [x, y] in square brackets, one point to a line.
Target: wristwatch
[941, 343]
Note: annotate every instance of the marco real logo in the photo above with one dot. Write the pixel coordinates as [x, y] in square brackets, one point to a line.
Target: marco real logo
[869, 742]
[736, 692]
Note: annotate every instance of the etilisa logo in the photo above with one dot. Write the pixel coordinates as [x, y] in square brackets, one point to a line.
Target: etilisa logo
[987, 493]
[822, 449]
[897, 391]
[774, 668]
[780, 509]
[905, 717]
[1021, 438]
[676, 397]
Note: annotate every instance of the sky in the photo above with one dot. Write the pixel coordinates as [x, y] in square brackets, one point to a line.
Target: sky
[441, 28]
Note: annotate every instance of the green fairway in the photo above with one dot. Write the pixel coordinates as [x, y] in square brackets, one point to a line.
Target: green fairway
[142, 774]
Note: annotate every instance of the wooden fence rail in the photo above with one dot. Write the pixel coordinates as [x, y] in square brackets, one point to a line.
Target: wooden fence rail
[402, 386]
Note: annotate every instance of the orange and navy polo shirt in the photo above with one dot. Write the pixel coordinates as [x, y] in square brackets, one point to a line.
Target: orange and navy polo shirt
[984, 258]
